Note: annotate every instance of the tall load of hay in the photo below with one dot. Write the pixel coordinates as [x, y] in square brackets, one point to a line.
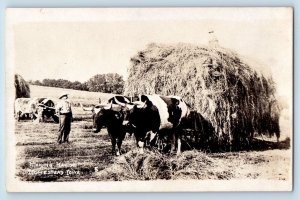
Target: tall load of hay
[22, 87]
[229, 95]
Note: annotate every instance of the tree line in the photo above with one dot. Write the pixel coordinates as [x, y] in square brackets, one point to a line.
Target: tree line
[107, 83]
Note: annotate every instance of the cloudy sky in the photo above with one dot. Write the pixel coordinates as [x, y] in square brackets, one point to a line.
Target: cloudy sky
[76, 44]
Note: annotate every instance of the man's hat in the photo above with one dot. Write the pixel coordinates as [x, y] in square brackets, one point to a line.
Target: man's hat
[63, 95]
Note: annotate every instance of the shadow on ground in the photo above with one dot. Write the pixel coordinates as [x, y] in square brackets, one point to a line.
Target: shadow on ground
[262, 145]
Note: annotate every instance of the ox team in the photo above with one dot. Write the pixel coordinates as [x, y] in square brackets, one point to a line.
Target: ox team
[148, 117]
[151, 115]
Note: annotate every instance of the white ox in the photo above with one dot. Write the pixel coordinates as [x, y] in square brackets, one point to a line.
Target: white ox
[26, 107]
[34, 108]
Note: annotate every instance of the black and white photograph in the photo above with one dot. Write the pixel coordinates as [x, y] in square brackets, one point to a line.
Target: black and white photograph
[149, 99]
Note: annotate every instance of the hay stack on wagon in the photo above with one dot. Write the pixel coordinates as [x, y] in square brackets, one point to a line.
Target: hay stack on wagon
[22, 87]
[229, 95]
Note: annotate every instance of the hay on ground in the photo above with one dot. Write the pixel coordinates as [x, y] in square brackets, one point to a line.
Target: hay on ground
[155, 166]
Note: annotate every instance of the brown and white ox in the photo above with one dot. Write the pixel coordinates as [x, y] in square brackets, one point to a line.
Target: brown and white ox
[157, 115]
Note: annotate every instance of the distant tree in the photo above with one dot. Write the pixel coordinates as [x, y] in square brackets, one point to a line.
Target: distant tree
[97, 83]
[108, 83]
[85, 86]
[37, 82]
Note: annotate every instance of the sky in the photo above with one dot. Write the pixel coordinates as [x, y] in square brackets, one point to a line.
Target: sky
[77, 44]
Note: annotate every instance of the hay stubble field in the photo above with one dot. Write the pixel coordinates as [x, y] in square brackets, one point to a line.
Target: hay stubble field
[88, 155]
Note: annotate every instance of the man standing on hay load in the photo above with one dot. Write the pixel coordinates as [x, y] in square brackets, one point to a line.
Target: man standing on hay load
[64, 111]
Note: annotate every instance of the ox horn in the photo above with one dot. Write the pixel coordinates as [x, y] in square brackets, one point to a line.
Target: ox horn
[101, 105]
[108, 106]
[137, 103]
[140, 104]
[118, 102]
[40, 105]
[127, 101]
[127, 105]
[113, 107]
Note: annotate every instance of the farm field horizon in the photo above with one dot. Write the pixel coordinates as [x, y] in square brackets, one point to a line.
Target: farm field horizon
[76, 96]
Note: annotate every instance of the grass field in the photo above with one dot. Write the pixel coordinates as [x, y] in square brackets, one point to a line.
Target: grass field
[88, 155]
[76, 96]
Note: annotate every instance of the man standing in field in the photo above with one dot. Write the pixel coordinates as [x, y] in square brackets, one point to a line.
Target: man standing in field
[64, 111]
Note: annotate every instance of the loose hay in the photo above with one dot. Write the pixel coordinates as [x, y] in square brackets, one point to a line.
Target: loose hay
[230, 95]
[22, 87]
[154, 166]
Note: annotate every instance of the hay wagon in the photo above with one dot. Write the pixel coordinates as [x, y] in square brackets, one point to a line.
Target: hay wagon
[46, 109]
[230, 100]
